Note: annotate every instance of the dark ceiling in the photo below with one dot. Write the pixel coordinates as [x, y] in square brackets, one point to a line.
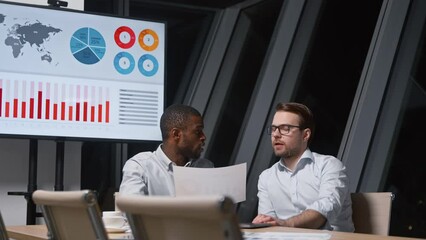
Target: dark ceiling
[197, 3]
[111, 6]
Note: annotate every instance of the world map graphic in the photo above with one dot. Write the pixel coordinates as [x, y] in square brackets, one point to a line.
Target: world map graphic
[33, 34]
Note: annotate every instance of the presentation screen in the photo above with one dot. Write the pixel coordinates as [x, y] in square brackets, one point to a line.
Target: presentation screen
[72, 74]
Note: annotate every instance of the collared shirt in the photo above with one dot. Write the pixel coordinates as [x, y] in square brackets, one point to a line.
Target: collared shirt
[319, 182]
[151, 173]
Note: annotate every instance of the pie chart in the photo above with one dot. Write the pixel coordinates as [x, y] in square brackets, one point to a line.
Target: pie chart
[87, 45]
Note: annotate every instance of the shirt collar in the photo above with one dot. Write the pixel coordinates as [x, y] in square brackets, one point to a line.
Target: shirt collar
[306, 157]
[307, 154]
[164, 159]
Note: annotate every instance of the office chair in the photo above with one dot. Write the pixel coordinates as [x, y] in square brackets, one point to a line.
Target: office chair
[71, 215]
[371, 212]
[180, 218]
[3, 232]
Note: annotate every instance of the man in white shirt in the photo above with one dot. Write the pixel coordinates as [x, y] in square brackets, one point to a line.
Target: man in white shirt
[151, 173]
[304, 189]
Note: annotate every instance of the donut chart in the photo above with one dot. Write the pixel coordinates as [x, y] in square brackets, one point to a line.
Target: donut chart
[87, 45]
[124, 37]
[124, 62]
[148, 65]
[148, 39]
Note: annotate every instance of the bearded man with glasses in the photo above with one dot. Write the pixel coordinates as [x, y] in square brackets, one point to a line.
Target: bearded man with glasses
[303, 189]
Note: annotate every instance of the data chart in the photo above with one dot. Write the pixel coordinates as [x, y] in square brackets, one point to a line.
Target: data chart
[54, 101]
[88, 45]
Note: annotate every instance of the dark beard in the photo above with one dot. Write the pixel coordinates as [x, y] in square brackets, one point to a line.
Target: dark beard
[288, 154]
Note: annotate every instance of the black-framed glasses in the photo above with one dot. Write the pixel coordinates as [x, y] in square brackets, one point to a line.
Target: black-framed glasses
[284, 129]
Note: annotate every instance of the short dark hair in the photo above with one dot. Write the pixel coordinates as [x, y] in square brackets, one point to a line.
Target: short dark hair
[305, 114]
[176, 115]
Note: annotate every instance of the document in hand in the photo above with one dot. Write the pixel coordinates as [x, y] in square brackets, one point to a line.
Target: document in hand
[227, 181]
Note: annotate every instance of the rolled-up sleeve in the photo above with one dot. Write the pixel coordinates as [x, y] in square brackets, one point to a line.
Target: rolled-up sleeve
[333, 189]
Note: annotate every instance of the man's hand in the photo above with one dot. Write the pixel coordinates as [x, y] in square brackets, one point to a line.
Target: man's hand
[307, 219]
[262, 218]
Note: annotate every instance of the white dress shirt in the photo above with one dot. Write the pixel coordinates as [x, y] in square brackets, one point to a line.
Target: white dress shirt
[151, 173]
[319, 182]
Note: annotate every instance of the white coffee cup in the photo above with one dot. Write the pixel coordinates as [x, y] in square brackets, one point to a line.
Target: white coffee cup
[112, 214]
[113, 219]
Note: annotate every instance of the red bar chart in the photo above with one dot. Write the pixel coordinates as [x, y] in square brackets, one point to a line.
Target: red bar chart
[47, 101]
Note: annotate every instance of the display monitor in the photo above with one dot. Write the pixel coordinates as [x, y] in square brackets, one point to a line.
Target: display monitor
[73, 74]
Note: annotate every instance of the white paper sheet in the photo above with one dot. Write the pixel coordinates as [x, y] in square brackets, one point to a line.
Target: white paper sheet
[228, 181]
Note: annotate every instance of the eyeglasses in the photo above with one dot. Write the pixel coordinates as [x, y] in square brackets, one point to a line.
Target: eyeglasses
[284, 129]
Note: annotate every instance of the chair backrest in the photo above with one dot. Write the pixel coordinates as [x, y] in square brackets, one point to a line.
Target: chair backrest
[180, 218]
[3, 232]
[71, 214]
[371, 212]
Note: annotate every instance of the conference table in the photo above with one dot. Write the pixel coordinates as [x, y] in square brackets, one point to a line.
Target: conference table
[39, 232]
[334, 235]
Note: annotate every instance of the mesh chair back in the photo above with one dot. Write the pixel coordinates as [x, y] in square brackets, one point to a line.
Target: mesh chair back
[180, 218]
[71, 215]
